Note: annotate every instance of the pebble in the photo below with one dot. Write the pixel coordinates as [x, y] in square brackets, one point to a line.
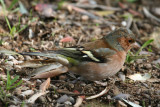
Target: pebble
[148, 66]
[63, 99]
[122, 76]
[124, 23]
[68, 103]
[85, 17]
[137, 102]
[42, 99]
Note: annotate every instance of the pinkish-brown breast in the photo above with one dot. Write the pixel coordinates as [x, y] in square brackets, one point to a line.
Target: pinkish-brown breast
[98, 71]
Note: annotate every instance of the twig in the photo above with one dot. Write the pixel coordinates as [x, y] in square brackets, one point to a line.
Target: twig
[156, 67]
[98, 95]
[129, 22]
[71, 93]
[84, 12]
[149, 15]
[87, 6]
[79, 101]
[80, 39]
[136, 28]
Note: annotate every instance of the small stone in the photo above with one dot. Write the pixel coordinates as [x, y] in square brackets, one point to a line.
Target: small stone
[10, 57]
[113, 28]
[85, 17]
[62, 77]
[72, 100]
[68, 103]
[148, 66]
[55, 96]
[124, 23]
[122, 76]
[63, 99]
[139, 61]
[109, 97]
[42, 99]
[71, 85]
[137, 102]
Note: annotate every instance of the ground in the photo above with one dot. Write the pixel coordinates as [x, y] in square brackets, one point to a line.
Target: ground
[48, 25]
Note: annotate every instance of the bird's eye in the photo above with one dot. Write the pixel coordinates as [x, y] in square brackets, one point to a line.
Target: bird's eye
[130, 41]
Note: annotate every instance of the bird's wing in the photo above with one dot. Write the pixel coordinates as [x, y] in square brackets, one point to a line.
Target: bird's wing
[75, 55]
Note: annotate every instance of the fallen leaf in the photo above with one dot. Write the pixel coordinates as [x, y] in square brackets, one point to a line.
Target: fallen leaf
[67, 39]
[104, 13]
[8, 52]
[45, 85]
[64, 98]
[52, 73]
[139, 77]
[120, 104]
[131, 103]
[27, 92]
[33, 98]
[121, 96]
[44, 69]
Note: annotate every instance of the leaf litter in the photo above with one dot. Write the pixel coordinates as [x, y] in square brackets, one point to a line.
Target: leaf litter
[76, 23]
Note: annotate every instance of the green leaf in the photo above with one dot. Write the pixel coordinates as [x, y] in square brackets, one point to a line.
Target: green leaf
[15, 85]
[144, 45]
[24, 27]
[13, 31]
[8, 80]
[131, 1]
[13, 3]
[14, 80]
[3, 5]
[8, 23]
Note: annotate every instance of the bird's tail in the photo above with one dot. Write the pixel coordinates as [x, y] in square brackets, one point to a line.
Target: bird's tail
[49, 54]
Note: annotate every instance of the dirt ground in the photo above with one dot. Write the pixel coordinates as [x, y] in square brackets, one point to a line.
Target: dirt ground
[56, 24]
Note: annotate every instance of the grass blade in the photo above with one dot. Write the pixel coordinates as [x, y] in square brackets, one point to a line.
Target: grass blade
[144, 45]
[13, 3]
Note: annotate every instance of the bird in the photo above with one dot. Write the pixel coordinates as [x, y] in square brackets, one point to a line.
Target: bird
[96, 60]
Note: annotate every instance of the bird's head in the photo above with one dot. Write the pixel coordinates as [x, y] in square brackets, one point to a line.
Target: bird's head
[120, 39]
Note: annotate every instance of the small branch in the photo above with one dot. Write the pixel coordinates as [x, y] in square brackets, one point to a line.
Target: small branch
[149, 15]
[98, 95]
[102, 7]
[71, 93]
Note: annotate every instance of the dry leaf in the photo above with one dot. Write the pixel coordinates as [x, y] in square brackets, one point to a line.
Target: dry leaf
[52, 73]
[139, 77]
[131, 103]
[33, 98]
[45, 85]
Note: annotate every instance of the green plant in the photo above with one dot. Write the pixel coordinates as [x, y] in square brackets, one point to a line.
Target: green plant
[10, 8]
[7, 86]
[61, 3]
[1, 42]
[131, 56]
[131, 1]
[13, 29]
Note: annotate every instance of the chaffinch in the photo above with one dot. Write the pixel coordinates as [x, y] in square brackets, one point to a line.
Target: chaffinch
[95, 60]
